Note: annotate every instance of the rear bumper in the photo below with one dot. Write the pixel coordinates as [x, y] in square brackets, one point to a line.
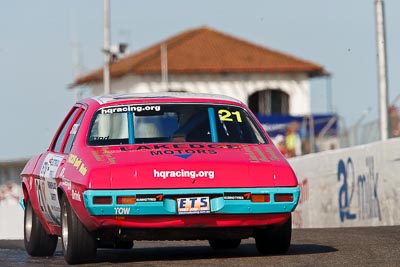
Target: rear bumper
[189, 221]
[191, 227]
[163, 202]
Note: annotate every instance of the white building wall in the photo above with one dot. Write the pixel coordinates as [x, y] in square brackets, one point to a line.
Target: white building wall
[239, 86]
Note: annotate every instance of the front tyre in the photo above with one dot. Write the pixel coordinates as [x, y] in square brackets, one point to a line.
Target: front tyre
[37, 241]
[274, 241]
[78, 244]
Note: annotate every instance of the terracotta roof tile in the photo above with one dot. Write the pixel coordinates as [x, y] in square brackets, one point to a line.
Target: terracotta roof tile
[204, 50]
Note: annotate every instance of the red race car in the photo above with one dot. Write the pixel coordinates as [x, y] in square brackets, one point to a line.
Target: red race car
[170, 166]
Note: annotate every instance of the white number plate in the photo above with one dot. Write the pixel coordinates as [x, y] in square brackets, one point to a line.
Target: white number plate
[193, 205]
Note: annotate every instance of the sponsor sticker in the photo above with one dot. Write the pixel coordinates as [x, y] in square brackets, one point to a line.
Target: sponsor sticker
[50, 165]
[46, 191]
[237, 196]
[77, 163]
[76, 195]
[122, 211]
[182, 173]
[148, 198]
[129, 108]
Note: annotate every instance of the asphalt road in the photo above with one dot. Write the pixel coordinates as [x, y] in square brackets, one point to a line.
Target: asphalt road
[368, 246]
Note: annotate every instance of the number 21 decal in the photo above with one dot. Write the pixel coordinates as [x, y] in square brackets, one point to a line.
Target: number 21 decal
[226, 115]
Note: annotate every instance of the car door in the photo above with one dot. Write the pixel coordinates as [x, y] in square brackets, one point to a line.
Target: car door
[51, 164]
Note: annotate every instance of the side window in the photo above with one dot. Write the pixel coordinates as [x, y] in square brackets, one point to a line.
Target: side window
[72, 133]
[61, 134]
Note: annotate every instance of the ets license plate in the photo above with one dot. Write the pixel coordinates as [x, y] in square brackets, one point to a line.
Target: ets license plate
[193, 205]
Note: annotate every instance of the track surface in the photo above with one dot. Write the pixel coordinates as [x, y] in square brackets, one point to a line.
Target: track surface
[368, 246]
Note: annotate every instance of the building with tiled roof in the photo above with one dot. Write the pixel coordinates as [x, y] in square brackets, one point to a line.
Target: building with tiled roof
[208, 61]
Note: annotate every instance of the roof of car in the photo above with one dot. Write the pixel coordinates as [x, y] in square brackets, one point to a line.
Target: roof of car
[106, 99]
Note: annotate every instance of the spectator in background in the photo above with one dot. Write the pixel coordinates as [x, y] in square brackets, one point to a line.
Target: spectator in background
[280, 143]
[9, 194]
[394, 121]
[293, 140]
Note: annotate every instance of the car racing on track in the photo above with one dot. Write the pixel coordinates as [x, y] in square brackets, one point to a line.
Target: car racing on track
[168, 166]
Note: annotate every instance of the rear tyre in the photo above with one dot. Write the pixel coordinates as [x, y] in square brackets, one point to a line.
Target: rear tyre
[78, 244]
[220, 244]
[37, 241]
[276, 240]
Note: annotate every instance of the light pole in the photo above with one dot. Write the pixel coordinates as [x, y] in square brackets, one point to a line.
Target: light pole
[382, 68]
[106, 47]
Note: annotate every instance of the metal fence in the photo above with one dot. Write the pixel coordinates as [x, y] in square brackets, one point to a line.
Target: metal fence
[359, 134]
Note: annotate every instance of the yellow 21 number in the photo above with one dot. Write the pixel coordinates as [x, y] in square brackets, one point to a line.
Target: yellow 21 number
[226, 115]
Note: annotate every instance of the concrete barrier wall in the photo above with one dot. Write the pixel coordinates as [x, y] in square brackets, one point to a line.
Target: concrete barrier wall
[358, 186]
[11, 222]
[11, 214]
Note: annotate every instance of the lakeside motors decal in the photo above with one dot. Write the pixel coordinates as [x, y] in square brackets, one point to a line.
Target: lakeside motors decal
[181, 150]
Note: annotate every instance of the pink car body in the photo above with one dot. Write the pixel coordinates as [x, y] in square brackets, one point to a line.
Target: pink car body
[167, 166]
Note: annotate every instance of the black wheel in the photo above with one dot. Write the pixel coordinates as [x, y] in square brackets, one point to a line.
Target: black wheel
[37, 241]
[79, 245]
[276, 240]
[220, 244]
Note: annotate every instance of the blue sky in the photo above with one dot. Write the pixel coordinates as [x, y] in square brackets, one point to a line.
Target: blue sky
[37, 50]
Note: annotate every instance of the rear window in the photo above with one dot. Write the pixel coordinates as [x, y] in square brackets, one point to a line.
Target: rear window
[141, 124]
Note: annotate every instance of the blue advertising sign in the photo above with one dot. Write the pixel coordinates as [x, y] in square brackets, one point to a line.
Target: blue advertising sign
[277, 124]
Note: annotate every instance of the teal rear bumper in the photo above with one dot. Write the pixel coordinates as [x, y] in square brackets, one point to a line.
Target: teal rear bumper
[164, 201]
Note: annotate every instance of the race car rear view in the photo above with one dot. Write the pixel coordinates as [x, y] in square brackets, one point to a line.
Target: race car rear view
[171, 166]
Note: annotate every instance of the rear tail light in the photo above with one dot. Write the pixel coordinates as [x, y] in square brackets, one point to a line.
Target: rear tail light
[260, 198]
[126, 200]
[283, 197]
[102, 200]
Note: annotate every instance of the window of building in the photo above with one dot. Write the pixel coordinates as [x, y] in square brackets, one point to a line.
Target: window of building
[269, 102]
